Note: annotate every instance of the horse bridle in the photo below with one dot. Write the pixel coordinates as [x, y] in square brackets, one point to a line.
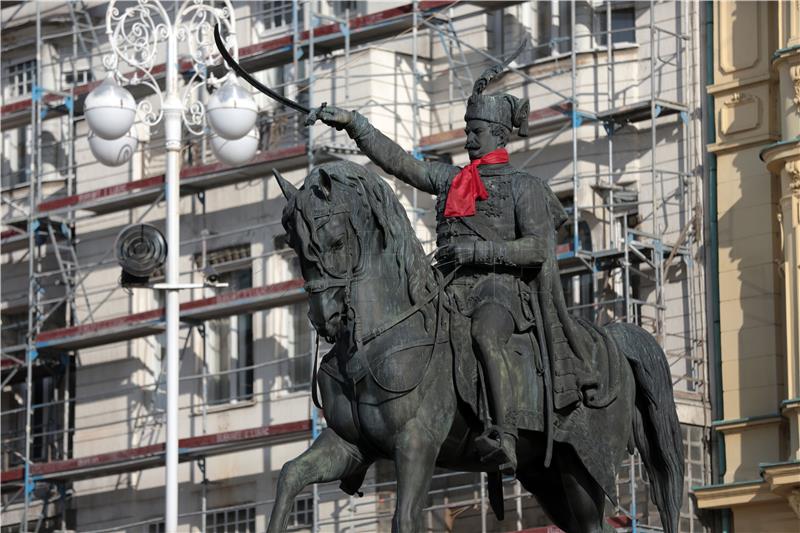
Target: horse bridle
[352, 275]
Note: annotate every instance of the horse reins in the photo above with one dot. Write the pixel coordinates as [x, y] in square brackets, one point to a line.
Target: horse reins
[354, 275]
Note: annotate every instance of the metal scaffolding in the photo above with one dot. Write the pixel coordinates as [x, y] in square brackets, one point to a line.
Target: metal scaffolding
[618, 245]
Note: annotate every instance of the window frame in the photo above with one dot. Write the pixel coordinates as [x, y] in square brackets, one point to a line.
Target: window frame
[298, 372]
[266, 17]
[212, 516]
[46, 419]
[19, 88]
[308, 501]
[599, 15]
[240, 350]
[227, 262]
[83, 77]
[157, 527]
[339, 8]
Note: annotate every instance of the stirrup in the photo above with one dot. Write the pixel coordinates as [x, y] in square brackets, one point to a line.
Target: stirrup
[489, 445]
[488, 442]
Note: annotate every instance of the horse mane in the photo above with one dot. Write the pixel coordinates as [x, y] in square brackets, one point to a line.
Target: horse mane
[369, 196]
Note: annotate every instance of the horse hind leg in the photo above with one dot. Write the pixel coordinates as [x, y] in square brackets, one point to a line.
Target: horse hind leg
[571, 498]
[329, 458]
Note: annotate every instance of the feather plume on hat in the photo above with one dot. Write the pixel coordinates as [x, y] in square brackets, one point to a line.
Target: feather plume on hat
[491, 73]
[504, 109]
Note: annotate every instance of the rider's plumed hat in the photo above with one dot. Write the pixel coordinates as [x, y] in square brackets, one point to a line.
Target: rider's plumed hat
[504, 109]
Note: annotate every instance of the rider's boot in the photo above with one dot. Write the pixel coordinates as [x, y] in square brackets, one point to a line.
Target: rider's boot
[508, 444]
[498, 444]
[498, 447]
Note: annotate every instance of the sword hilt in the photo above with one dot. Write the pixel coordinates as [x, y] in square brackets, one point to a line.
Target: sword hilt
[312, 115]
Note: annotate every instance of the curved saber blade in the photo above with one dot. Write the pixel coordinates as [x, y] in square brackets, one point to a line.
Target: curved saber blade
[252, 81]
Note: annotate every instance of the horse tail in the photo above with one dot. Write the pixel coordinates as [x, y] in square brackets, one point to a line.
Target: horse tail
[656, 429]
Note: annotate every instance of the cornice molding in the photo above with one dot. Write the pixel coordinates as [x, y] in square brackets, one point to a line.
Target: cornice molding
[776, 154]
[724, 146]
[742, 424]
[732, 494]
[717, 88]
[782, 477]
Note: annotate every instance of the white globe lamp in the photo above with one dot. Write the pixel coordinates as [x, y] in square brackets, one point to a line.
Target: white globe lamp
[231, 111]
[237, 151]
[110, 110]
[114, 152]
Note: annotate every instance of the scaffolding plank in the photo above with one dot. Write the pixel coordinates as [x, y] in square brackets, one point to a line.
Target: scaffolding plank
[151, 322]
[639, 111]
[200, 177]
[12, 240]
[134, 459]
[16, 236]
[540, 122]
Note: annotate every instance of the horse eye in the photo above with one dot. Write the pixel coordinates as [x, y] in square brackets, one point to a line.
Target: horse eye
[338, 244]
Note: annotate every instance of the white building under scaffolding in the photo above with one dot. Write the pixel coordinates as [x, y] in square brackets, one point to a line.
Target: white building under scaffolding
[615, 92]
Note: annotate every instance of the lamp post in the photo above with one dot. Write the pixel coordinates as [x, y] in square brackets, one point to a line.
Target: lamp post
[135, 31]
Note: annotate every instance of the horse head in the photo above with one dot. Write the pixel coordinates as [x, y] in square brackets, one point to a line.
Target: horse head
[356, 247]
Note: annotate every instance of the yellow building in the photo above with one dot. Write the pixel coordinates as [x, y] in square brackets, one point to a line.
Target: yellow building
[753, 171]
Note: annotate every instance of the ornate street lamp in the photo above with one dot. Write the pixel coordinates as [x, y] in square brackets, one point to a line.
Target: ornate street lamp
[134, 32]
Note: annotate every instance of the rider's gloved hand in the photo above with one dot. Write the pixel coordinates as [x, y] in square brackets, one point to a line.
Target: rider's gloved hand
[334, 117]
[460, 253]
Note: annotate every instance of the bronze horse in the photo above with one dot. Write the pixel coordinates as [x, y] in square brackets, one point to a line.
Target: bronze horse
[388, 387]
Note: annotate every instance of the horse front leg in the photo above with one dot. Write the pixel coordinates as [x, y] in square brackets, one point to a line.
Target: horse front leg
[414, 459]
[329, 458]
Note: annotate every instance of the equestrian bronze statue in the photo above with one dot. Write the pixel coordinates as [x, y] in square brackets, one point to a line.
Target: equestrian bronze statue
[473, 363]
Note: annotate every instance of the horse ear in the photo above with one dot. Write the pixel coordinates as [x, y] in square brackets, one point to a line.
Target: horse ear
[325, 183]
[288, 190]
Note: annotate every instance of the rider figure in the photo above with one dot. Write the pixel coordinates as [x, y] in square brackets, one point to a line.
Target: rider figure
[497, 223]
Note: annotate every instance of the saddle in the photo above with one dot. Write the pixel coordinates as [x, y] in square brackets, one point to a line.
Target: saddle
[526, 401]
[527, 377]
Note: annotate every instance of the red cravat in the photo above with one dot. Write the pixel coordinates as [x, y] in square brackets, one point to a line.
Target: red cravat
[468, 187]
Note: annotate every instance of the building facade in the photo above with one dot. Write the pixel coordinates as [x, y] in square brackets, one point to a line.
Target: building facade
[616, 130]
[753, 156]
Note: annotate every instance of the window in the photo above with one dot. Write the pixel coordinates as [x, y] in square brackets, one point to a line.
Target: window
[579, 295]
[299, 347]
[46, 422]
[298, 327]
[231, 520]
[293, 271]
[561, 33]
[696, 473]
[13, 425]
[157, 527]
[14, 328]
[551, 27]
[302, 515]
[80, 77]
[229, 340]
[16, 163]
[20, 78]
[277, 13]
[229, 347]
[565, 240]
[623, 22]
[343, 7]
